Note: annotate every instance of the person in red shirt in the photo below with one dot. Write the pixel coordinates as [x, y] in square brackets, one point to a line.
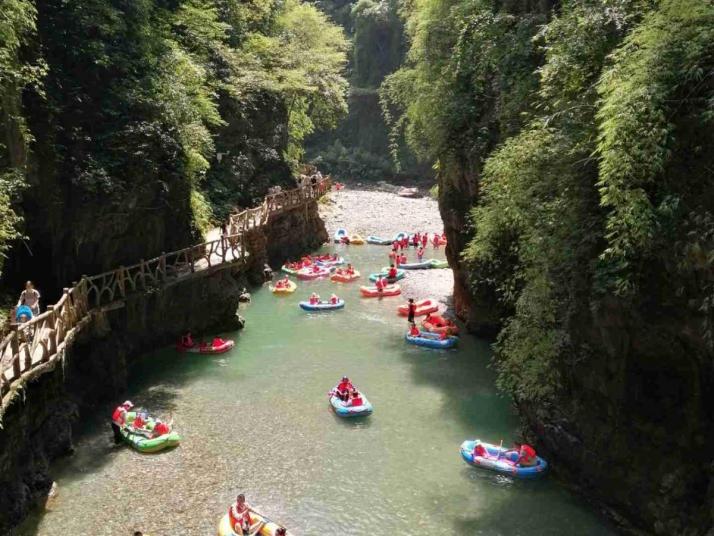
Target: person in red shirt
[392, 273]
[402, 259]
[239, 516]
[356, 399]
[424, 239]
[334, 299]
[444, 335]
[350, 270]
[160, 428]
[344, 388]
[479, 450]
[119, 419]
[139, 421]
[380, 284]
[526, 456]
[413, 330]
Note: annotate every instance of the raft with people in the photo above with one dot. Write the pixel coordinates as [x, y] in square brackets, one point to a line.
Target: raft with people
[217, 346]
[432, 340]
[266, 526]
[329, 260]
[313, 272]
[342, 275]
[520, 463]
[356, 404]
[283, 286]
[339, 235]
[438, 324]
[143, 432]
[322, 305]
[423, 307]
[385, 274]
[373, 292]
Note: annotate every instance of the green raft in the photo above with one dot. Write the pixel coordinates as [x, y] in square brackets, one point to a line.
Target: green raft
[435, 263]
[141, 439]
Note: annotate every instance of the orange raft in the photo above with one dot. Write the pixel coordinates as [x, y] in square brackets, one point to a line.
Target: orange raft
[439, 324]
[423, 307]
[341, 276]
[372, 292]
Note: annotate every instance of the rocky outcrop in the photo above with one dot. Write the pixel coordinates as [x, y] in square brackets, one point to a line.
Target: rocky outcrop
[37, 425]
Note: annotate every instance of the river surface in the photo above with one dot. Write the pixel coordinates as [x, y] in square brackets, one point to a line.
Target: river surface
[257, 421]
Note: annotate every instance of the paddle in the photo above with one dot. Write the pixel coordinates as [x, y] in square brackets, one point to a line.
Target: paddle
[266, 520]
[500, 447]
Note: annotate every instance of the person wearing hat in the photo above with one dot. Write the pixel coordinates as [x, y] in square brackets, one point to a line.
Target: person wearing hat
[119, 418]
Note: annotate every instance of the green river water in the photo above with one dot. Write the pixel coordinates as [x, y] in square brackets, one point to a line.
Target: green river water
[257, 421]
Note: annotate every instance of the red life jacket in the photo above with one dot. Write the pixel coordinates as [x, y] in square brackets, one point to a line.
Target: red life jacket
[392, 273]
[480, 450]
[161, 429]
[414, 331]
[357, 401]
[241, 518]
[119, 416]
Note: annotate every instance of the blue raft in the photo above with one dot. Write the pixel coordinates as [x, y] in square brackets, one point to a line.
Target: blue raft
[432, 340]
[502, 461]
[343, 410]
[383, 274]
[339, 233]
[322, 306]
[379, 241]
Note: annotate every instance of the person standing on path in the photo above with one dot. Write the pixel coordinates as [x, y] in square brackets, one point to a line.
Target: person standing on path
[31, 298]
[411, 311]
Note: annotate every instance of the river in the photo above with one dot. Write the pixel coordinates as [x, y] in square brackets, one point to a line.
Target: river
[257, 421]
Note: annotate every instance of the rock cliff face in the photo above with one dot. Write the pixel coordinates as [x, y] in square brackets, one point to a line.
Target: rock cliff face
[37, 425]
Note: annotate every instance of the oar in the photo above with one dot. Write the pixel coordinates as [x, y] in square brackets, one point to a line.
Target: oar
[266, 519]
[499, 450]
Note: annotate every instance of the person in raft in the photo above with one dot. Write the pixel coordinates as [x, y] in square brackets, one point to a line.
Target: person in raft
[402, 259]
[526, 455]
[160, 428]
[119, 419]
[350, 270]
[411, 311]
[334, 299]
[479, 450]
[344, 388]
[187, 340]
[217, 341]
[345, 240]
[414, 331]
[380, 284]
[239, 516]
[282, 283]
[356, 399]
[314, 298]
[392, 273]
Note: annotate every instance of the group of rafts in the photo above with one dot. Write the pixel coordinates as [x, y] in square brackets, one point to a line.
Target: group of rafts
[147, 433]
[437, 332]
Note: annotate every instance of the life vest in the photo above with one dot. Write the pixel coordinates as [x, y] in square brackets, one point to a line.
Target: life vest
[138, 422]
[344, 386]
[240, 518]
[333, 300]
[527, 455]
[392, 273]
[414, 332]
[357, 401]
[480, 450]
[161, 429]
[119, 416]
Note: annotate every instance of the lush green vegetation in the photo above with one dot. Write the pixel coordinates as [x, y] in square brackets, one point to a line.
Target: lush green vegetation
[198, 105]
[586, 130]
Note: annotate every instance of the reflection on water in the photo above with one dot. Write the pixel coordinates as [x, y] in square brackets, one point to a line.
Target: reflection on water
[257, 420]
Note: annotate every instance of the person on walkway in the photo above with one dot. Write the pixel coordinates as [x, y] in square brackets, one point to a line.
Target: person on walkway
[411, 311]
[31, 298]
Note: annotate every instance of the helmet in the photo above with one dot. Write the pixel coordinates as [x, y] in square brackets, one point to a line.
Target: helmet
[128, 404]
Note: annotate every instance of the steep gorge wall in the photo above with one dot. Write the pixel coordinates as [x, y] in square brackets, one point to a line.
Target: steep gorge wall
[37, 425]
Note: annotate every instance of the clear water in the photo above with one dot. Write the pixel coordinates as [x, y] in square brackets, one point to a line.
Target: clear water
[257, 421]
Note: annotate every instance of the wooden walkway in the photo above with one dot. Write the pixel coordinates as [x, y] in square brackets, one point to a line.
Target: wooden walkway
[44, 339]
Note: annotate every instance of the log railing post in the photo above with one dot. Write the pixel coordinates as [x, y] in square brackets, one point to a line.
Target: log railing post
[15, 351]
[162, 265]
[120, 279]
[51, 348]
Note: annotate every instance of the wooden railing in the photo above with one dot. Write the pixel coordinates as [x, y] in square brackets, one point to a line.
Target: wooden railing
[43, 338]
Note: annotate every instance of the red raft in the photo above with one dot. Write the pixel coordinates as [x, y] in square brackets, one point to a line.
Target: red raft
[218, 346]
[423, 307]
[439, 324]
[372, 292]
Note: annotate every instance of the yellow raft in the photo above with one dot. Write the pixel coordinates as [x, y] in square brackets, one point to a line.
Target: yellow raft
[268, 529]
[292, 287]
[357, 240]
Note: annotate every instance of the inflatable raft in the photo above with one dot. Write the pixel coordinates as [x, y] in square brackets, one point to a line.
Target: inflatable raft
[339, 234]
[322, 306]
[141, 439]
[205, 348]
[345, 410]
[377, 241]
[436, 264]
[383, 275]
[330, 262]
[292, 271]
[423, 307]
[269, 528]
[438, 324]
[313, 272]
[344, 278]
[356, 240]
[432, 340]
[292, 287]
[372, 292]
[424, 265]
[502, 461]
[400, 236]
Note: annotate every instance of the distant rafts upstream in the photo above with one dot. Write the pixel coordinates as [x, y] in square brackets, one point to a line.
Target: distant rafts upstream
[257, 421]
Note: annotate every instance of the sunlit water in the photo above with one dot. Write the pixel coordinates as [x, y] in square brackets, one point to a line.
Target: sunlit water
[257, 421]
